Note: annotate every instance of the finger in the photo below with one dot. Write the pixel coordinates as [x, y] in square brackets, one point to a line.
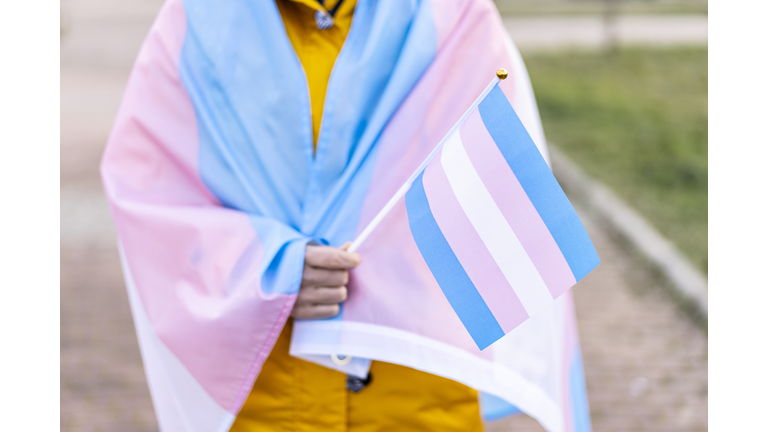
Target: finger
[314, 311]
[345, 246]
[322, 295]
[331, 258]
[314, 276]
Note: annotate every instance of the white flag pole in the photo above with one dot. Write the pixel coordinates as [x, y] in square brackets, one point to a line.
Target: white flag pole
[500, 75]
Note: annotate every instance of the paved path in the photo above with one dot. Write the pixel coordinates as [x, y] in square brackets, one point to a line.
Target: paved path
[646, 364]
[563, 32]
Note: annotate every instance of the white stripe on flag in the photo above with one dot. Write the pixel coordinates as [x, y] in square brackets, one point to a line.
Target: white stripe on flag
[493, 228]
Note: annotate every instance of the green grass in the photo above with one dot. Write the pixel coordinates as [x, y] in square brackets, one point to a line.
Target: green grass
[635, 119]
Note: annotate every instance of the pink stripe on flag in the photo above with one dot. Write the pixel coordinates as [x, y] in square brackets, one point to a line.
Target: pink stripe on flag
[470, 249]
[515, 205]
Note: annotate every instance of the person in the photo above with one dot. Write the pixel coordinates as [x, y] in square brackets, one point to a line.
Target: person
[255, 139]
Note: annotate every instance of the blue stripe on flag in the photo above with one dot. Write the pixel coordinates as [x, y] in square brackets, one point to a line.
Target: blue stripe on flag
[447, 270]
[539, 183]
[578, 395]
[493, 407]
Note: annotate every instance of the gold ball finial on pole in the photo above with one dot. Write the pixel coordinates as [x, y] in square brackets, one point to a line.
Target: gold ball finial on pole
[502, 74]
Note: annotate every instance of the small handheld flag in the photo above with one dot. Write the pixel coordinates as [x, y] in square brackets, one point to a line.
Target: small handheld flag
[492, 223]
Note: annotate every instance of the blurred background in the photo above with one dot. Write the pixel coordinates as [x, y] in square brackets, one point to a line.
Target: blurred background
[622, 90]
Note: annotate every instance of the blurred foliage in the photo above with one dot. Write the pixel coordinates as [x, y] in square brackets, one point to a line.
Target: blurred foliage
[524, 7]
[635, 119]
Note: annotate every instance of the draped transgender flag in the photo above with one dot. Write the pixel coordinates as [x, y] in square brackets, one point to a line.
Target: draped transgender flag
[493, 225]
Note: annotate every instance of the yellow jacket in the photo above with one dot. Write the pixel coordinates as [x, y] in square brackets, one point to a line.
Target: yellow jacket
[295, 395]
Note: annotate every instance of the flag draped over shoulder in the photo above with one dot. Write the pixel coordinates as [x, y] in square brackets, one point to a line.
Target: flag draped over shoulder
[215, 193]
